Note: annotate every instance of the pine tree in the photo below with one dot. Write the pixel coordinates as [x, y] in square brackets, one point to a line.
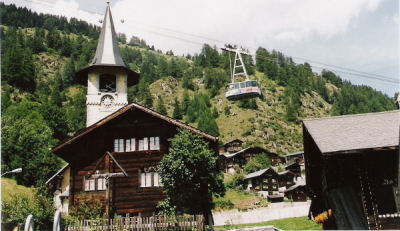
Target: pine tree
[161, 106]
[177, 114]
[69, 72]
[185, 102]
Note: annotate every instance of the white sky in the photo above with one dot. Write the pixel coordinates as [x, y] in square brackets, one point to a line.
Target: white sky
[357, 34]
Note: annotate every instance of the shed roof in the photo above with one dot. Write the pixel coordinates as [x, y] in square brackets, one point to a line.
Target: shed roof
[355, 132]
[122, 111]
[57, 173]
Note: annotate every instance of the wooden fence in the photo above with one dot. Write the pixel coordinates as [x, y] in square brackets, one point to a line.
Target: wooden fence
[137, 223]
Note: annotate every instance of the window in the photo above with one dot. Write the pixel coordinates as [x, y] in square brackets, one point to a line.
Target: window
[150, 179]
[145, 143]
[128, 145]
[107, 83]
[101, 184]
[243, 85]
[141, 148]
[154, 143]
[118, 145]
[89, 184]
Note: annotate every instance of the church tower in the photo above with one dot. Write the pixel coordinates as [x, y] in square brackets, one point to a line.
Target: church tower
[107, 77]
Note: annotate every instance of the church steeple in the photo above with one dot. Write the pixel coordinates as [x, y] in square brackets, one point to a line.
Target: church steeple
[107, 77]
[107, 52]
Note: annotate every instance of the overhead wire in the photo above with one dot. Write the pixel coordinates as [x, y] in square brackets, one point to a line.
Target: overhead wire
[330, 67]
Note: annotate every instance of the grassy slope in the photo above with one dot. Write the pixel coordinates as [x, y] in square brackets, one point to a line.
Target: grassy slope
[9, 187]
[242, 200]
[297, 223]
[265, 126]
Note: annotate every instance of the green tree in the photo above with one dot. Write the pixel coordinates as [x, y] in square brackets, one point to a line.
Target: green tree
[190, 175]
[161, 106]
[69, 72]
[259, 162]
[185, 102]
[177, 114]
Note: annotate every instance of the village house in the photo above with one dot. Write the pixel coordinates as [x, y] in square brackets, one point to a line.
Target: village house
[232, 146]
[295, 168]
[352, 170]
[269, 180]
[296, 192]
[114, 161]
[231, 162]
[297, 157]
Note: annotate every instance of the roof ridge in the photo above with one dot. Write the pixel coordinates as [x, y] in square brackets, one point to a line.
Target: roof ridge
[351, 115]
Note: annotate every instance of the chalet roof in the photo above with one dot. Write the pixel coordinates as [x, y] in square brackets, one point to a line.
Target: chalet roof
[234, 141]
[126, 109]
[355, 132]
[290, 165]
[249, 149]
[107, 52]
[286, 172]
[58, 173]
[258, 173]
[295, 154]
[300, 184]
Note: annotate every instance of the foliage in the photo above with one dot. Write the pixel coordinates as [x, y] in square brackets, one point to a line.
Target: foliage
[188, 187]
[177, 113]
[260, 161]
[18, 206]
[161, 106]
[248, 103]
[223, 204]
[26, 139]
[237, 181]
[89, 208]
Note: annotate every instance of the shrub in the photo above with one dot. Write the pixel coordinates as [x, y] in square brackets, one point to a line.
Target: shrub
[223, 203]
[237, 181]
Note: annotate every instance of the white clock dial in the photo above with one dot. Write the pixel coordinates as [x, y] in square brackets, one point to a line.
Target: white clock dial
[107, 100]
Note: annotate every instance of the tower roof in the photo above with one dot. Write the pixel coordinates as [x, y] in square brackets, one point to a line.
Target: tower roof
[107, 52]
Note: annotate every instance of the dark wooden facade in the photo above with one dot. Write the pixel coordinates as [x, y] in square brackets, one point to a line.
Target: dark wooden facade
[296, 193]
[241, 158]
[297, 157]
[126, 194]
[269, 180]
[295, 168]
[359, 183]
[232, 146]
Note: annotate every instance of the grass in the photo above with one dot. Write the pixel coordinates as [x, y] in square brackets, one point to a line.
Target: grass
[240, 200]
[296, 223]
[10, 187]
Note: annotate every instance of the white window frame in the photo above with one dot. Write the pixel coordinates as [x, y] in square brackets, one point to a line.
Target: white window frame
[145, 143]
[156, 179]
[152, 144]
[157, 143]
[143, 179]
[121, 145]
[101, 184]
[148, 179]
[116, 142]
[127, 145]
[141, 145]
[90, 184]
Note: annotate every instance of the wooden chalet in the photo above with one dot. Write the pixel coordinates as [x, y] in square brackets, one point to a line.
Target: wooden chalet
[136, 138]
[297, 157]
[295, 168]
[114, 161]
[238, 160]
[296, 192]
[352, 170]
[269, 180]
[232, 146]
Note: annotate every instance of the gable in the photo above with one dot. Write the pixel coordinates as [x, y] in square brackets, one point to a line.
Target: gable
[132, 120]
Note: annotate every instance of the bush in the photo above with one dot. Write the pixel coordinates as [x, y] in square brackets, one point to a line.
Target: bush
[237, 181]
[260, 161]
[19, 206]
[223, 204]
[89, 208]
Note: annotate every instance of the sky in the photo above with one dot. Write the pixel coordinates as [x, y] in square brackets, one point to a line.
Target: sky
[360, 35]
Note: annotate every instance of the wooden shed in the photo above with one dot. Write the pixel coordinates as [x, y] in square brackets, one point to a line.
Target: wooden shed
[352, 167]
[136, 139]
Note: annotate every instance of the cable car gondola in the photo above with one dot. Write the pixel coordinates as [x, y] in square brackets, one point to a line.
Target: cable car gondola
[246, 88]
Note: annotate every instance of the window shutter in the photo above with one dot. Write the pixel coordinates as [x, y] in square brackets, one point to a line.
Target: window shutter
[86, 184]
[140, 145]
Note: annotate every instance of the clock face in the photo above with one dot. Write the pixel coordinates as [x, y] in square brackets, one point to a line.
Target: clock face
[107, 100]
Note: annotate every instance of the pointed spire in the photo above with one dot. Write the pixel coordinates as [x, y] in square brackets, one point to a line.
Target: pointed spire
[107, 52]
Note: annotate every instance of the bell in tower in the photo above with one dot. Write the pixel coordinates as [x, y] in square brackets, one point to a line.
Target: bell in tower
[107, 77]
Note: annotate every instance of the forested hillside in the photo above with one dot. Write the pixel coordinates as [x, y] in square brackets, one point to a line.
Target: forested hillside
[42, 104]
